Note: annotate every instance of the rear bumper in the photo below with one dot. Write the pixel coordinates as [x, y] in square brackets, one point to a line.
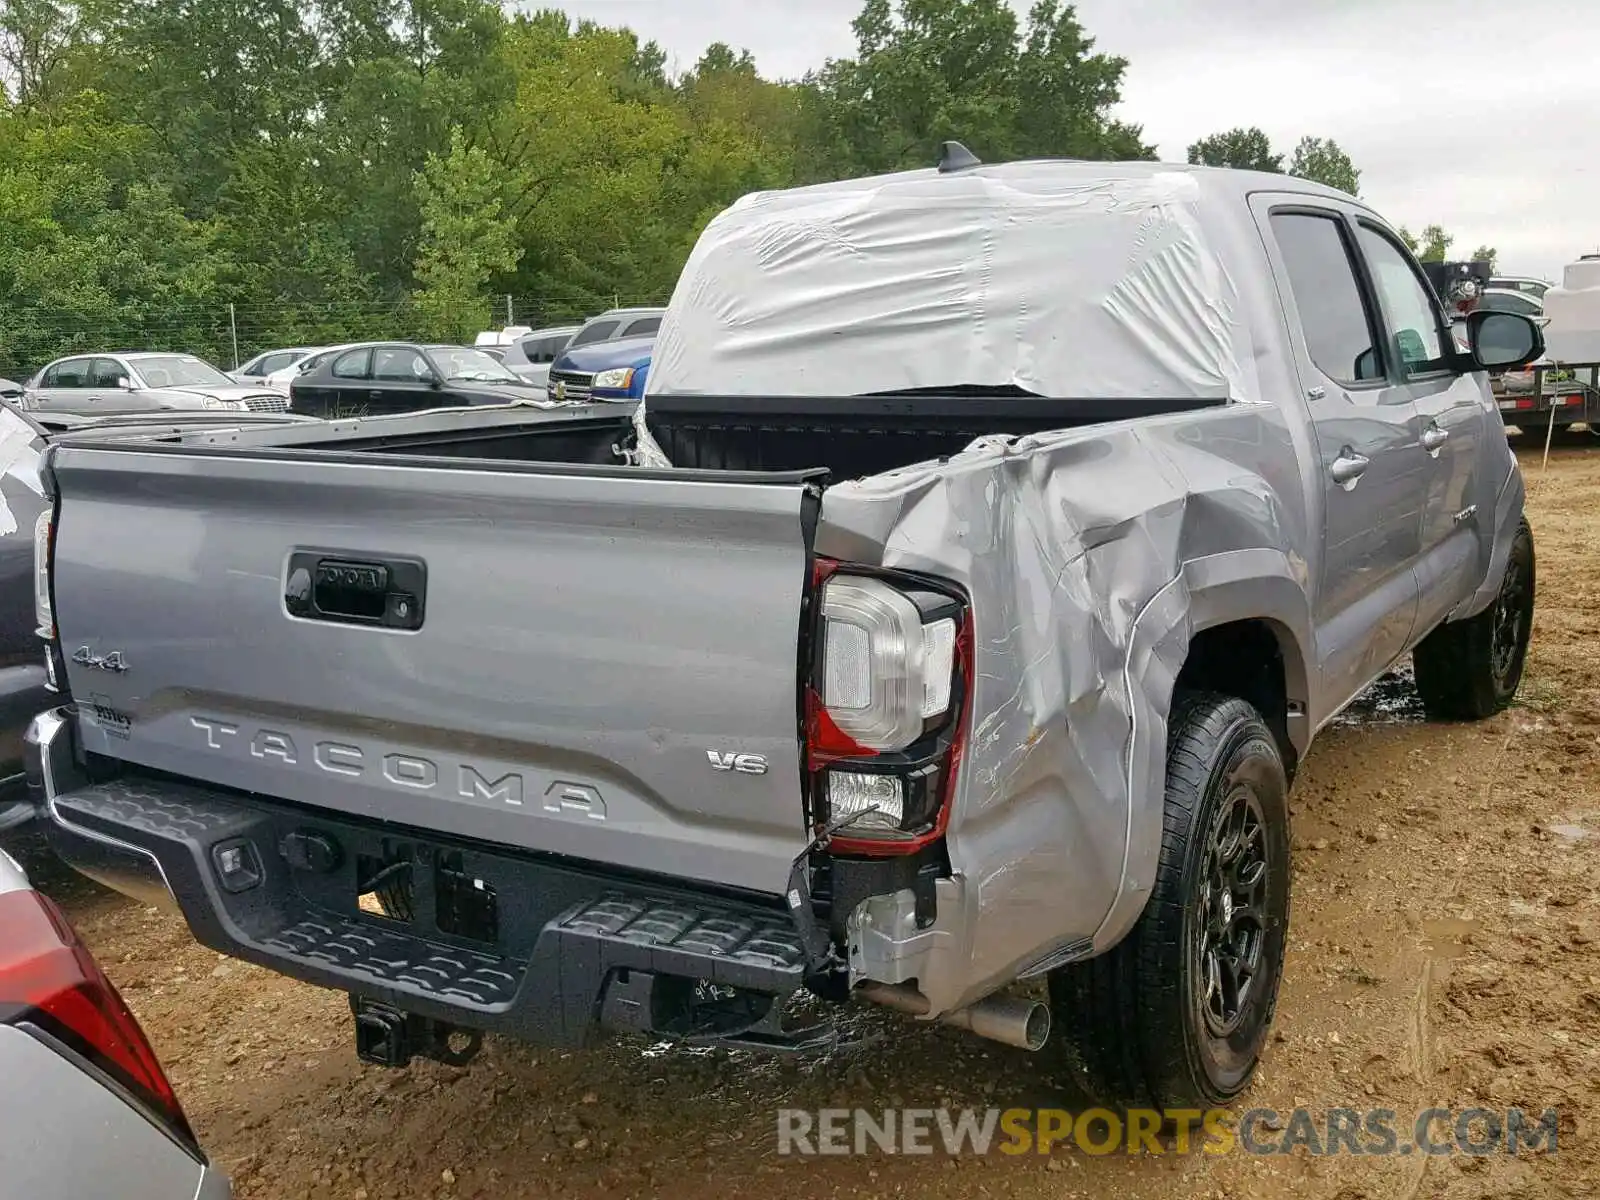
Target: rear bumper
[1534, 413]
[568, 941]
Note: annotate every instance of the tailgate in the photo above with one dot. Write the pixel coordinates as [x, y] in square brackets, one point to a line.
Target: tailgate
[604, 666]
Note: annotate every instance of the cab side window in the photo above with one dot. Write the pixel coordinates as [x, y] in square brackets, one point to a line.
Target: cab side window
[1412, 321]
[1339, 331]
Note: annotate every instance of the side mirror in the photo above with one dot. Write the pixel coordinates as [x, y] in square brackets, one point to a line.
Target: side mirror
[125, 383]
[1501, 341]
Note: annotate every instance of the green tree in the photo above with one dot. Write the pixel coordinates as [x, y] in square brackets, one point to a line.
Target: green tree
[467, 239]
[36, 37]
[1065, 92]
[593, 159]
[1246, 149]
[394, 77]
[927, 71]
[1487, 254]
[91, 259]
[1434, 245]
[1322, 161]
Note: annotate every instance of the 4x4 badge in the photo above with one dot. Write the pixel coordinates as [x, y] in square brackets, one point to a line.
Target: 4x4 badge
[114, 661]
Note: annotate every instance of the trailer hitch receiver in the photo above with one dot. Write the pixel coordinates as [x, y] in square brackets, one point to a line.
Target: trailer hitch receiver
[388, 1037]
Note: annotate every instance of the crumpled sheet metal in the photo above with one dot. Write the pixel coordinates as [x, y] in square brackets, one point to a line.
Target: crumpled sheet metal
[19, 460]
[1076, 545]
[1062, 279]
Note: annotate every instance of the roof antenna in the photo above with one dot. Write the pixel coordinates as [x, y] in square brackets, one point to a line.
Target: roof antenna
[953, 156]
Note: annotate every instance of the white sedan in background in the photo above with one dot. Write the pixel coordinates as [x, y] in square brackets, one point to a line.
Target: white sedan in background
[280, 379]
[268, 362]
[96, 385]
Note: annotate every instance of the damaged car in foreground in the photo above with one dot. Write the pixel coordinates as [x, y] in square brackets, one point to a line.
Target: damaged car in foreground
[953, 612]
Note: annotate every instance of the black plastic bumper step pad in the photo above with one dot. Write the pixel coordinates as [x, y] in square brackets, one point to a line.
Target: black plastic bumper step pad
[396, 960]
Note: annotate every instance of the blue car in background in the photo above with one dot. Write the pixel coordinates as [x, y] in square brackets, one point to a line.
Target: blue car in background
[603, 371]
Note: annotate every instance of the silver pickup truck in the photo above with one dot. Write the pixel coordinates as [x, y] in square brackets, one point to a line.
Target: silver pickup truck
[989, 547]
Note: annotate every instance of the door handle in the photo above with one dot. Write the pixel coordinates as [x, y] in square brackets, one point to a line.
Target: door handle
[1433, 437]
[1348, 468]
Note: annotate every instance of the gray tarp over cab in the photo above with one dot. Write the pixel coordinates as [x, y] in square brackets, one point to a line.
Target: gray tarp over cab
[1057, 281]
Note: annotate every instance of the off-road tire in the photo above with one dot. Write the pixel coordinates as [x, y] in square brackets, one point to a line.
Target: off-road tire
[1130, 1025]
[1469, 670]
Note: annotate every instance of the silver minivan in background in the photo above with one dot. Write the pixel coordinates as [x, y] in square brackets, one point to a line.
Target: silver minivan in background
[529, 356]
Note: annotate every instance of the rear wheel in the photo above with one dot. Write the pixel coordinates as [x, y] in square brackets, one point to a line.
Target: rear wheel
[1468, 670]
[1177, 1014]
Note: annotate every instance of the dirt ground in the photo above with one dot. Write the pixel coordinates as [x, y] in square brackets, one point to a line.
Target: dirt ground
[1443, 952]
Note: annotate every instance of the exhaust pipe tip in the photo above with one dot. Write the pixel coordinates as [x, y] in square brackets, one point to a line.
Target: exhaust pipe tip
[1011, 1020]
[1024, 1024]
[1036, 1029]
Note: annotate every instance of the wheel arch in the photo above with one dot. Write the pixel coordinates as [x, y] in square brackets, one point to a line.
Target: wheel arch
[1194, 633]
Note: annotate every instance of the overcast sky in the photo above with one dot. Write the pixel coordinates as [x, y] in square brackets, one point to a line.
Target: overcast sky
[1482, 115]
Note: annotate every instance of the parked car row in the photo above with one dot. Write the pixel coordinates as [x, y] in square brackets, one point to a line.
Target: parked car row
[354, 378]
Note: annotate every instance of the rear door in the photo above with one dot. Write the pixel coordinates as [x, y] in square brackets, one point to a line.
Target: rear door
[1373, 470]
[1457, 518]
[402, 381]
[67, 387]
[578, 649]
[343, 388]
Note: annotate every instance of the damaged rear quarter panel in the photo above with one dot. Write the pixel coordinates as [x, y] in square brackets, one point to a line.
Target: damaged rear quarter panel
[1092, 556]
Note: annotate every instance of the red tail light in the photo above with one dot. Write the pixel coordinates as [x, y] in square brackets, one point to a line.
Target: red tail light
[886, 706]
[49, 979]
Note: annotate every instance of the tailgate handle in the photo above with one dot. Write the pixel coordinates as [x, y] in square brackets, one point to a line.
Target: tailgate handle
[349, 589]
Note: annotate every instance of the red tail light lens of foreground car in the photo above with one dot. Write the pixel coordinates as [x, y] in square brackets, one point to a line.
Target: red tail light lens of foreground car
[885, 706]
[49, 979]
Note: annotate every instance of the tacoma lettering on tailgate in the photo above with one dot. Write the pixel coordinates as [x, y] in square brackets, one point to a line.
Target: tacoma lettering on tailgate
[405, 770]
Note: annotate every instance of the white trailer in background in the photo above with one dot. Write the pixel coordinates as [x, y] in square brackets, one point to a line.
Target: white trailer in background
[1563, 388]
